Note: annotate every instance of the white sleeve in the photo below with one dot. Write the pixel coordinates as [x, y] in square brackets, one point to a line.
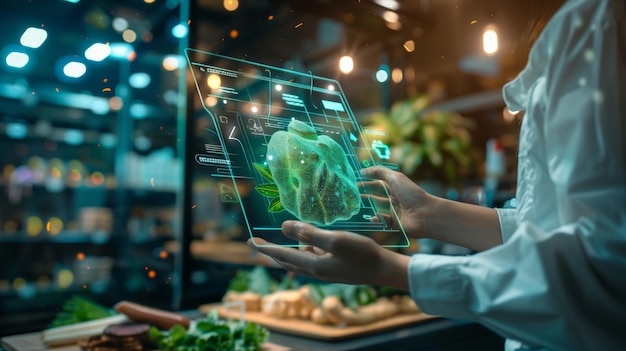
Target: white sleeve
[508, 222]
[564, 289]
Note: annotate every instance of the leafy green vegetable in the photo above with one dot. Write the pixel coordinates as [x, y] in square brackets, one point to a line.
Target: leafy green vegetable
[257, 280]
[260, 281]
[239, 282]
[211, 334]
[288, 283]
[351, 295]
[80, 309]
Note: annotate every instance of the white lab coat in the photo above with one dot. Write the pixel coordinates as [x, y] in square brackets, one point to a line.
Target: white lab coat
[558, 282]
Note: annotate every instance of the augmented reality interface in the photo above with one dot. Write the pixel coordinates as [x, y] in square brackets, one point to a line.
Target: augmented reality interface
[285, 145]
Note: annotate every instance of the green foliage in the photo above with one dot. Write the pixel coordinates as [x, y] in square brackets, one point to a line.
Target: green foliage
[425, 142]
[211, 334]
[256, 280]
[352, 296]
[80, 309]
[269, 189]
[275, 205]
[264, 171]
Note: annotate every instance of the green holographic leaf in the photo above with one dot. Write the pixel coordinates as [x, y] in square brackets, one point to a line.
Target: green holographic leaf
[276, 206]
[268, 189]
[264, 171]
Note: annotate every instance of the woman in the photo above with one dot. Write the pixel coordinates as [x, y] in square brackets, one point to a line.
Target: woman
[551, 273]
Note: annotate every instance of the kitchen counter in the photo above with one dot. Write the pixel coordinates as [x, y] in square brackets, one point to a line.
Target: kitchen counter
[436, 334]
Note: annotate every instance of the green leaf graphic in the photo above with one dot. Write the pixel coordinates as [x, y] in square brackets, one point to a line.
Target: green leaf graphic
[264, 170]
[268, 189]
[276, 206]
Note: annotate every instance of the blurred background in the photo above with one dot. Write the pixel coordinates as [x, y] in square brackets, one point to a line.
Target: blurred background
[99, 195]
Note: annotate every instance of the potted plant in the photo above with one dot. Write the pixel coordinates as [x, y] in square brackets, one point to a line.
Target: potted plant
[428, 144]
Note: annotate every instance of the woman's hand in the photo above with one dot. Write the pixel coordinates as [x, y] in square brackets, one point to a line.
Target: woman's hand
[337, 256]
[413, 205]
[426, 216]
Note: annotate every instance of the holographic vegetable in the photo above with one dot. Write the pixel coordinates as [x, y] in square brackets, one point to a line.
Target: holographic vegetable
[311, 174]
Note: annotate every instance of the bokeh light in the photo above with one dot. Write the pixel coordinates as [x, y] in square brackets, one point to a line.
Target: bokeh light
[34, 225]
[490, 41]
[54, 225]
[346, 64]
[214, 81]
[129, 36]
[65, 278]
[409, 45]
[172, 62]
[231, 5]
[33, 37]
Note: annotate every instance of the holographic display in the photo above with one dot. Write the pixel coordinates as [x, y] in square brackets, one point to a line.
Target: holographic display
[285, 145]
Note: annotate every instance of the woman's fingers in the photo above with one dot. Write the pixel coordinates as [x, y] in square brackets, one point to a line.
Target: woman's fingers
[329, 241]
[378, 199]
[396, 181]
[377, 172]
[288, 255]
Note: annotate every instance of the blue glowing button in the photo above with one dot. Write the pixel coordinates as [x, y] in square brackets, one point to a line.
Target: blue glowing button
[332, 105]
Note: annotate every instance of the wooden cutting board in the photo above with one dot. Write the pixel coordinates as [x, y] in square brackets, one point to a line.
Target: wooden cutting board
[32, 342]
[313, 330]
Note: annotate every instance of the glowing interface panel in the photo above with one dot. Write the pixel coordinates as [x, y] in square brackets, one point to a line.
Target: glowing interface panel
[285, 145]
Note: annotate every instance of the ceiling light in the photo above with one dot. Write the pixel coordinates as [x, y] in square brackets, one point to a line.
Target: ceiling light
[231, 5]
[33, 37]
[74, 69]
[490, 41]
[346, 64]
[97, 52]
[17, 59]
[389, 4]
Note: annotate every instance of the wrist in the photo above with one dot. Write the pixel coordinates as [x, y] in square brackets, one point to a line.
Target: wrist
[431, 211]
[394, 270]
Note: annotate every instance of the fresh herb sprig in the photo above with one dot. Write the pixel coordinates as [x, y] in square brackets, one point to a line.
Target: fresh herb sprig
[211, 334]
[80, 309]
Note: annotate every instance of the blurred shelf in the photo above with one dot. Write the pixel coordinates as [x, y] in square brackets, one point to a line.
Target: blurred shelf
[137, 189]
[64, 237]
[224, 252]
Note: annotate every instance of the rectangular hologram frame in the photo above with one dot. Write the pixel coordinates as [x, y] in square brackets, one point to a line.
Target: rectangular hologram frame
[248, 103]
